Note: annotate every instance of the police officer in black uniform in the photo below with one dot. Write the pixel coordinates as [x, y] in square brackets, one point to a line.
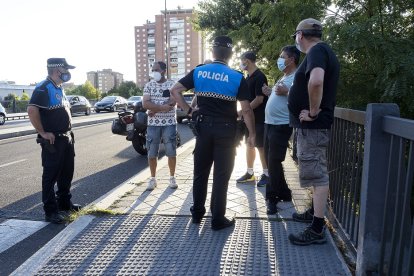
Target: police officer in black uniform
[49, 113]
[217, 88]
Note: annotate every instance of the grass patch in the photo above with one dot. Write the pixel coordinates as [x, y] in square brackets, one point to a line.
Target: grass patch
[92, 211]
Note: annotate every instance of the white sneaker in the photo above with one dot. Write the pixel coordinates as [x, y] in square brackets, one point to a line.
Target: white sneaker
[173, 183]
[152, 183]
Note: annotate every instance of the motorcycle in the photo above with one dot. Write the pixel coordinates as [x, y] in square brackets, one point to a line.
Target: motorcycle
[133, 125]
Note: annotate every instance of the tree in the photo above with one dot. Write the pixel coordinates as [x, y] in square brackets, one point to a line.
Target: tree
[25, 96]
[374, 41]
[126, 90]
[87, 90]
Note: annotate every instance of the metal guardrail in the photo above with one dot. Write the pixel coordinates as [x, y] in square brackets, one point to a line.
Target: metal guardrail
[371, 164]
[16, 116]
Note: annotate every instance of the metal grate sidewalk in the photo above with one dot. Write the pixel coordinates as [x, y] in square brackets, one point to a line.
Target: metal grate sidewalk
[168, 245]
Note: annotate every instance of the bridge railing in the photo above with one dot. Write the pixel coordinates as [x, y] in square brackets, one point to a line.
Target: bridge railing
[371, 157]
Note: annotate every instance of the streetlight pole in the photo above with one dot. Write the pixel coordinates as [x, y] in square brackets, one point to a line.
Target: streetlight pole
[166, 39]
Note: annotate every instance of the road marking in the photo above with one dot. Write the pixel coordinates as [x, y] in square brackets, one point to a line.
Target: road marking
[11, 163]
[13, 231]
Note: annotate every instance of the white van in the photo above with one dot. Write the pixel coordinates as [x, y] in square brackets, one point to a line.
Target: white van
[3, 115]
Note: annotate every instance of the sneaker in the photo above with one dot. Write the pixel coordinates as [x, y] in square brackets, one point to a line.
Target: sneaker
[173, 183]
[307, 237]
[152, 183]
[264, 180]
[305, 217]
[247, 177]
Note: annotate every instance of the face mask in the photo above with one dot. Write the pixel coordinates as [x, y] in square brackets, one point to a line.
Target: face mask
[297, 44]
[156, 76]
[242, 66]
[281, 64]
[65, 77]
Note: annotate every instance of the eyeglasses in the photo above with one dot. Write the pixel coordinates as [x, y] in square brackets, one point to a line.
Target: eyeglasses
[295, 33]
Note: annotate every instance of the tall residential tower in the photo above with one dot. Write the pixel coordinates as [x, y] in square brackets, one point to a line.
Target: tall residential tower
[185, 46]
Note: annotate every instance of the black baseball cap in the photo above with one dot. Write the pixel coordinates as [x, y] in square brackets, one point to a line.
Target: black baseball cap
[59, 62]
[223, 41]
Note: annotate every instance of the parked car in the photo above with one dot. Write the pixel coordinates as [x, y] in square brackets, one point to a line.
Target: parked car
[3, 115]
[188, 97]
[111, 103]
[79, 104]
[133, 100]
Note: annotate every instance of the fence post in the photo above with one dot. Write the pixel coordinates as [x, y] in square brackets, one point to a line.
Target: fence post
[373, 187]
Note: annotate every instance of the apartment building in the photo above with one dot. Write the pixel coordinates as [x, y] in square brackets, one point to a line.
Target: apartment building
[105, 80]
[172, 36]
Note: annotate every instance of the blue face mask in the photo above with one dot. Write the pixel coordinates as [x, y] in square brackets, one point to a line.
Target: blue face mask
[65, 77]
[281, 64]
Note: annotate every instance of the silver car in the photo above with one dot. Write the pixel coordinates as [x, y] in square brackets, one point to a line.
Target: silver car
[3, 115]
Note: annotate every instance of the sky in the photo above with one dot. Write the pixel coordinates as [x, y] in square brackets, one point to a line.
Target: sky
[91, 34]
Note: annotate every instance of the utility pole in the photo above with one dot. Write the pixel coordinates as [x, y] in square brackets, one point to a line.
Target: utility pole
[166, 40]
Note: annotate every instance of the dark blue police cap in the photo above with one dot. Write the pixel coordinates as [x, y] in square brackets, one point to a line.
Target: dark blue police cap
[59, 62]
[223, 41]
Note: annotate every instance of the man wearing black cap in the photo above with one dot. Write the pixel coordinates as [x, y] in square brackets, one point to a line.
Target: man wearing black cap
[49, 113]
[311, 105]
[217, 88]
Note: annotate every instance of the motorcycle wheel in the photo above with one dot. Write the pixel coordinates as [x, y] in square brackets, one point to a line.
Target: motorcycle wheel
[139, 144]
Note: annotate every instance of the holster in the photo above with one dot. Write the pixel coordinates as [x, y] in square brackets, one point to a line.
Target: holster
[46, 144]
[193, 123]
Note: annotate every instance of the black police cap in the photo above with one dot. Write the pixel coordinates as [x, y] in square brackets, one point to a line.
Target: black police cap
[59, 62]
[223, 41]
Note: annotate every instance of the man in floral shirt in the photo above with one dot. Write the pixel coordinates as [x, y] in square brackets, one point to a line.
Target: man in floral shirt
[162, 123]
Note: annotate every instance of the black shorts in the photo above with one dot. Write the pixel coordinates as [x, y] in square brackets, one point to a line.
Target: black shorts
[259, 141]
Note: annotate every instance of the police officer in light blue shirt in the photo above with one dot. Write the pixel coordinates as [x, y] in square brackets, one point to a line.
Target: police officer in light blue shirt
[277, 129]
[217, 87]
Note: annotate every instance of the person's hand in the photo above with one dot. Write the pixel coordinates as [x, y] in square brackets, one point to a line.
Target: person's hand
[48, 136]
[166, 107]
[266, 90]
[304, 116]
[281, 89]
[251, 141]
[151, 113]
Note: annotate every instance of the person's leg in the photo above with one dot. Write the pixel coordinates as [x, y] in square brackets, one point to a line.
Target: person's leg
[250, 157]
[153, 144]
[224, 155]
[203, 160]
[169, 137]
[65, 177]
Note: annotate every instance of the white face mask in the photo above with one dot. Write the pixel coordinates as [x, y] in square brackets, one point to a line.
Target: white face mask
[156, 76]
[297, 44]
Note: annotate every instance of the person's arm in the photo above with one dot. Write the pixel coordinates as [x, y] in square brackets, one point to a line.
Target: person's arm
[34, 116]
[248, 117]
[315, 90]
[176, 91]
[148, 104]
[256, 102]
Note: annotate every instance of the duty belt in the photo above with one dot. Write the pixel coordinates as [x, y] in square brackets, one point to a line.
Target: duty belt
[212, 119]
[67, 134]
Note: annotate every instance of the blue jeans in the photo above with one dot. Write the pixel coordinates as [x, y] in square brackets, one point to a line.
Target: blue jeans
[168, 134]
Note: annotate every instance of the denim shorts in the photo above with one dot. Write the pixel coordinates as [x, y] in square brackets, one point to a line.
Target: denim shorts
[312, 145]
[166, 134]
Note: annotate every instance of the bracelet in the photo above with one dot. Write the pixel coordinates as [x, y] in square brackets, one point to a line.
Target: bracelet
[313, 117]
[189, 111]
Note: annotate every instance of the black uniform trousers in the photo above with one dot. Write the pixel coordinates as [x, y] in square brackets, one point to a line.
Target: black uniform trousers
[275, 147]
[58, 168]
[215, 143]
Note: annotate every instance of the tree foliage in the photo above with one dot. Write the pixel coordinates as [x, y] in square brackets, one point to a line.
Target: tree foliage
[87, 90]
[126, 90]
[373, 39]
